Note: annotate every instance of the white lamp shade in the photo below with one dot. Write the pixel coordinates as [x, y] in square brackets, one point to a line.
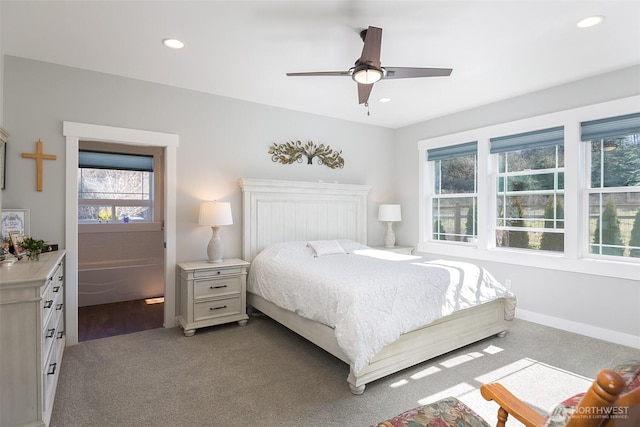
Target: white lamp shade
[389, 213]
[215, 213]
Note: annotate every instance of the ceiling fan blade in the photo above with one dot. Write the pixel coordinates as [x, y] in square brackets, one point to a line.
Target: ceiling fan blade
[363, 93]
[371, 49]
[409, 72]
[321, 73]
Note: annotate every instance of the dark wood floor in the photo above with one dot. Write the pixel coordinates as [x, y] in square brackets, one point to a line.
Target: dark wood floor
[107, 320]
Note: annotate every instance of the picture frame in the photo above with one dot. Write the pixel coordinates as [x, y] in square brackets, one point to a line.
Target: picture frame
[3, 165]
[4, 137]
[14, 220]
[16, 240]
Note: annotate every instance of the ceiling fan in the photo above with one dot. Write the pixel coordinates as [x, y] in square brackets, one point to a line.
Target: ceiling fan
[367, 69]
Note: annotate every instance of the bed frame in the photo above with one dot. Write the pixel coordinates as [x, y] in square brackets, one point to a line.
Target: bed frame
[279, 211]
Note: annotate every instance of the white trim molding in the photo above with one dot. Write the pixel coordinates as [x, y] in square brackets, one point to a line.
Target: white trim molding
[74, 132]
[580, 328]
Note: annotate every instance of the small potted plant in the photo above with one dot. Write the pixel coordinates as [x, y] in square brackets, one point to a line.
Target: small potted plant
[33, 247]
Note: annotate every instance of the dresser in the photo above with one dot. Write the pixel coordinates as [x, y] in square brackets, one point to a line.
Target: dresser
[211, 294]
[32, 338]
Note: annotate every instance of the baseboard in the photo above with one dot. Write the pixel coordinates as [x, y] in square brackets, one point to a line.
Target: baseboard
[580, 328]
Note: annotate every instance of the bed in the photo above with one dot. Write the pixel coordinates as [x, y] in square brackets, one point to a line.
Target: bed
[281, 216]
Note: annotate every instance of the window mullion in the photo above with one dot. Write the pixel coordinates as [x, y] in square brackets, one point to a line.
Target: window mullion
[486, 202]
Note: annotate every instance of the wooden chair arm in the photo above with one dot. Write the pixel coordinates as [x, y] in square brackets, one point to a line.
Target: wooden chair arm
[511, 405]
[602, 394]
[629, 399]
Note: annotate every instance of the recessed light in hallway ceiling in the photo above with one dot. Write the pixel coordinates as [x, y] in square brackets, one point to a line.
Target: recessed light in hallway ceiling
[590, 21]
[173, 43]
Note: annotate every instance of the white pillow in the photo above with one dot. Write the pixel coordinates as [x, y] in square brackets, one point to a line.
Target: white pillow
[326, 247]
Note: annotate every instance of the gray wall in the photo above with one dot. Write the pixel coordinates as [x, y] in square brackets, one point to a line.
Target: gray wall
[565, 297]
[221, 140]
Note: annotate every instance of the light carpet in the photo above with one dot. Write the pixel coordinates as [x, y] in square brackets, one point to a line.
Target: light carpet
[265, 375]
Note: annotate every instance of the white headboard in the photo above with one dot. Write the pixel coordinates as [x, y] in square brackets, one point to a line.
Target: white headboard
[279, 211]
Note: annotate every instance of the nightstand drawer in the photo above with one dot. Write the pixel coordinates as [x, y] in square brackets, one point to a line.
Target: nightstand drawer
[216, 272]
[216, 308]
[217, 287]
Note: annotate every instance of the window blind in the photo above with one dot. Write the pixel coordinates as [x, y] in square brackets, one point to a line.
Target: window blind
[116, 161]
[459, 150]
[610, 127]
[534, 139]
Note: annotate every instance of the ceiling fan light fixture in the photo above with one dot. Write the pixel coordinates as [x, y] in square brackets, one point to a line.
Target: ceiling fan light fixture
[367, 75]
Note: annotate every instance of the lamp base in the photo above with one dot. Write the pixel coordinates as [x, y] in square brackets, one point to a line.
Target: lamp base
[215, 249]
[389, 236]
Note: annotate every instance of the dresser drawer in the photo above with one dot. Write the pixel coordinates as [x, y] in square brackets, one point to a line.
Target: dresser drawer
[216, 308]
[49, 332]
[50, 371]
[216, 287]
[53, 294]
[217, 272]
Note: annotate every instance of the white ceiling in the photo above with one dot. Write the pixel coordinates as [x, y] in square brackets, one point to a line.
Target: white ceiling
[242, 49]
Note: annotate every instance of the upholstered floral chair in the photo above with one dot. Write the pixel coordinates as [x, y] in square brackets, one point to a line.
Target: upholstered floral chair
[612, 400]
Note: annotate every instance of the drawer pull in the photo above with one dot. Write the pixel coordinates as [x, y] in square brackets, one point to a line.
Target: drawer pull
[217, 308]
[218, 272]
[60, 334]
[59, 307]
[48, 304]
[56, 288]
[50, 333]
[217, 287]
[60, 278]
[52, 369]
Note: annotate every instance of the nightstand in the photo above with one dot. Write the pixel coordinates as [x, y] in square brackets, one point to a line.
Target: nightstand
[211, 294]
[406, 250]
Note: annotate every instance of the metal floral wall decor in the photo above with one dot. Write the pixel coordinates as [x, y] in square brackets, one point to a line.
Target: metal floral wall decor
[294, 151]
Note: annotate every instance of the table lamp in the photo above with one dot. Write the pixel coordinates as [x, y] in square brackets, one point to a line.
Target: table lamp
[390, 214]
[215, 214]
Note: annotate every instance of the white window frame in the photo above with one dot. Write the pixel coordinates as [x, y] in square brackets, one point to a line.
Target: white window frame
[576, 168]
[118, 203]
[588, 191]
[157, 213]
[433, 195]
[551, 192]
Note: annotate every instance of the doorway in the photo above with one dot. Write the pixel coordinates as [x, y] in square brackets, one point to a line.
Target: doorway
[120, 239]
[76, 132]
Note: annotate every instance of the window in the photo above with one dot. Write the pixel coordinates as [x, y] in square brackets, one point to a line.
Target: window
[613, 191]
[115, 187]
[530, 190]
[561, 189]
[454, 198]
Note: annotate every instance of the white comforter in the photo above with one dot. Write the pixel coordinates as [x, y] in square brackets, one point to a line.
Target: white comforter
[369, 297]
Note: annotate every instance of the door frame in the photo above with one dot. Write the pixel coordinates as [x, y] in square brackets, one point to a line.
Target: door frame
[74, 132]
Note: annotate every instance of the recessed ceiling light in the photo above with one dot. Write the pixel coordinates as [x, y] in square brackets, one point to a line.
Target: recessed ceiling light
[173, 43]
[590, 21]
[384, 100]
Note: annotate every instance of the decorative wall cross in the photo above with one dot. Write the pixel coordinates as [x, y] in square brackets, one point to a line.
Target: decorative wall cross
[39, 156]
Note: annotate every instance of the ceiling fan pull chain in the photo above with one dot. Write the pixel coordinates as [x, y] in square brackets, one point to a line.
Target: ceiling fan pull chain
[366, 104]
